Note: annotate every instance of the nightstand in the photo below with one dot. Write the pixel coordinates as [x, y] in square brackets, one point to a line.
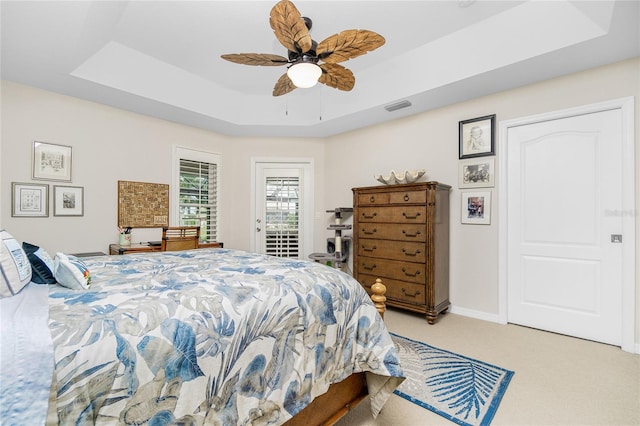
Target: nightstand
[89, 254]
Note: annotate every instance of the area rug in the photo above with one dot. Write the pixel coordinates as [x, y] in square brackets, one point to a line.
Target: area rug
[461, 389]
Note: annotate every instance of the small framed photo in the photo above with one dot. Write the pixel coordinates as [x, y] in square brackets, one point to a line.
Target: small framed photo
[29, 200]
[51, 161]
[476, 207]
[476, 137]
[477, 173]
[68, 200]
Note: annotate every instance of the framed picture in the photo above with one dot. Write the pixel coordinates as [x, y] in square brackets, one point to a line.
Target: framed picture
[476, 173]
[29, 200]
[476, 207]
[476, 137]
[68, 200]
[51, 161]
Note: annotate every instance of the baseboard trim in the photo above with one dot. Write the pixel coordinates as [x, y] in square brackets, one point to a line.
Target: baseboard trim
[475, 314]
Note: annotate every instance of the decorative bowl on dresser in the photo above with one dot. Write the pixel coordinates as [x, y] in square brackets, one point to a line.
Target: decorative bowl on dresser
[401, 234]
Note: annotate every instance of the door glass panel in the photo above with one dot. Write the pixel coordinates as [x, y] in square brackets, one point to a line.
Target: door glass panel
[282, 218]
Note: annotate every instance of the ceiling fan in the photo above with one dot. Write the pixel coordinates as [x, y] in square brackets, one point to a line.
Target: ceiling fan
[310, 62]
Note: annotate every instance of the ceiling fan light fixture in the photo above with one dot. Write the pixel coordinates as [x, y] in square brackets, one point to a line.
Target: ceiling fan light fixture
[304, 74]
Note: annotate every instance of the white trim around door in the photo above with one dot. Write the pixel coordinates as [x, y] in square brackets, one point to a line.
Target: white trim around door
[628, 211]
[304, 165]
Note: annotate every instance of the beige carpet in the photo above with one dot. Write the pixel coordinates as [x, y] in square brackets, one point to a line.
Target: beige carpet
[558, 380]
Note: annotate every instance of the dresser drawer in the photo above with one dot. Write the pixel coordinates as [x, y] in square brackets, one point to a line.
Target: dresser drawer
[392, 231]
[400, 214]
[397, 290]
[407, 197]
[395, 250]
[371, 199]
[385, 268]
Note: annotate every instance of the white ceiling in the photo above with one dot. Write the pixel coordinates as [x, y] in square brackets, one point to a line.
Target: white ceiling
[162, 58]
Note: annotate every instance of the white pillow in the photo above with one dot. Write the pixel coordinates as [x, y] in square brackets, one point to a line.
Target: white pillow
[71, 272]
[15, 269]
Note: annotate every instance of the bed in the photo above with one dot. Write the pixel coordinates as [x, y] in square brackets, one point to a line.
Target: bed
[196, 337]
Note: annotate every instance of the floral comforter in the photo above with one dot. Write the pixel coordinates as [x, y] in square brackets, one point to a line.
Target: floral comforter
[211, 336]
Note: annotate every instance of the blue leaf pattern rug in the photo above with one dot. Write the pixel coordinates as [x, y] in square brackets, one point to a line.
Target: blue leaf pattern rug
[461, 389]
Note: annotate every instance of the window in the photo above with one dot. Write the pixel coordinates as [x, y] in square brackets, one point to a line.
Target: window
[197, 180]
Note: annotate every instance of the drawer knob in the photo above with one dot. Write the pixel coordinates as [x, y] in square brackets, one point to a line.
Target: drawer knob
[368, 267]
[404, 291]
[369, 216]
[407, 253]
[372, 199]
[365, 231]
[410, 235]
[365, 248]
[415, 216]
[415, 274]
[406, 197]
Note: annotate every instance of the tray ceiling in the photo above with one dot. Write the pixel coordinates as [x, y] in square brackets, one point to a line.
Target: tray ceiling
[162, 58]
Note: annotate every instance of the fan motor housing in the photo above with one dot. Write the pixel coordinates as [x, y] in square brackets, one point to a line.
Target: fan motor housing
[308, 56]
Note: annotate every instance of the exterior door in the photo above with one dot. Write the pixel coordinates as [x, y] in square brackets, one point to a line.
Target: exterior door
[565, 227]
[282, 210]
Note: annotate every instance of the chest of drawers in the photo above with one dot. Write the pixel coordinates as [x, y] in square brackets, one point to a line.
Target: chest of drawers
[401, 234]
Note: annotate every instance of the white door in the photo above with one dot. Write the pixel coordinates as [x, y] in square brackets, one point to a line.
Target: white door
[565, 239]
[282, 209]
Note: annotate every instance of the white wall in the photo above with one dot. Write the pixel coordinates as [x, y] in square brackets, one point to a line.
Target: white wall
[111, 144]
[430, 141]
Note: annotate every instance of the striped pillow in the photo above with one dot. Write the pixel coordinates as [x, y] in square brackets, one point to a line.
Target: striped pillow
[15, 269]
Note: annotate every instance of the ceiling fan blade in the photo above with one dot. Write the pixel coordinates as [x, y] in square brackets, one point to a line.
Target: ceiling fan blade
[289, 27]
[265, 59]
[337, 76]
[283, 86]
[347, 45]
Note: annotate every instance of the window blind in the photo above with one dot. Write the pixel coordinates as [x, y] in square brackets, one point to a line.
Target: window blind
[198, 197]
[282, 216]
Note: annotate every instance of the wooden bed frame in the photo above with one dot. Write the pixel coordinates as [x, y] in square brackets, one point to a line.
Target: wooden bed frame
[341, 397]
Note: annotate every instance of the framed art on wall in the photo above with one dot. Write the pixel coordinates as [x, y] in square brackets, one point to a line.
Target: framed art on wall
[29, 200]
[476, 173]
[476, 207]
[51, 161]
[68, 200]
[143, 204]
[476, 137]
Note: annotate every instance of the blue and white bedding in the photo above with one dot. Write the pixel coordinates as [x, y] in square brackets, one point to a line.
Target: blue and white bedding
[26, 358]
[211, 336]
